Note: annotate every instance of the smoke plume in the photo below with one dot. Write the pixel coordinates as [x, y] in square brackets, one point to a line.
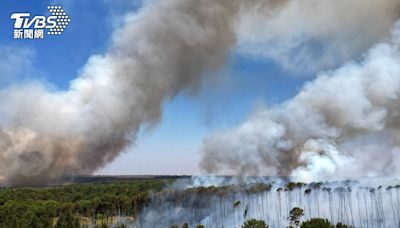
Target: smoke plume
[313, 35]
[164, 50]
[343, 124]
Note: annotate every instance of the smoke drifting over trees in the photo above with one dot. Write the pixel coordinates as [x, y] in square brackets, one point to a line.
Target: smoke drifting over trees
[280, 205]
[166, 48]
[342, 124]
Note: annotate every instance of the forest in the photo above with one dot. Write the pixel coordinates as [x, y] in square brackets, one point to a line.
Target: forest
[156, 203]
[75, 205]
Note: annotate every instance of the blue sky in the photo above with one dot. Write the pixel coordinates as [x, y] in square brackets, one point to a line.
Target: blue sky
[172, 147]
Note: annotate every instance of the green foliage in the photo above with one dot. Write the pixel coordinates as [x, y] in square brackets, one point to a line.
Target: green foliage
[341, 225]
[15, 213]
[322, 223]
[185, 225]
[200, 226]
[316, 223]
[295, 215]
[65, 205]
[67, 219]
[254, 223]
[293, 185]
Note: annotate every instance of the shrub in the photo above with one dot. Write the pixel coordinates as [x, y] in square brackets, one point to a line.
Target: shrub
[254, 223]
[341, 225]
[294, 216]
[317, 223]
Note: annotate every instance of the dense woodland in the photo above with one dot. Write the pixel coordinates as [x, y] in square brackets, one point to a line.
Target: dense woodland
[74, 205]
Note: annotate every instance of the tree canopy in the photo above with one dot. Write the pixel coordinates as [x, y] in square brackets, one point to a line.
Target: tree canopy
[254, 223]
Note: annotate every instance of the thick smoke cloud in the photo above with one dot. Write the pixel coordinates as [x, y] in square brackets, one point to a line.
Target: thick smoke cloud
[161, 51]
[343, 124]
[158, 53]
[310, 35]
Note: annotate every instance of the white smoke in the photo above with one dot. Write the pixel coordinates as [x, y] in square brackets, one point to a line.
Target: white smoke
[309, 35]
[344, 124]
[159, 52]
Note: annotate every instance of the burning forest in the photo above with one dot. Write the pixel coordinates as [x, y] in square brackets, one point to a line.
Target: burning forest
[346, 202]
[222, 202]
[305, 92]
[154, 56]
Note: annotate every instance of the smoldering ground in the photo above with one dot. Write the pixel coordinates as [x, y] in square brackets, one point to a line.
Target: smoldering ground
[159, 52]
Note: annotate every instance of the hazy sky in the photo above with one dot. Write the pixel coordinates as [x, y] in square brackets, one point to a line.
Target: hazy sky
[173, 145]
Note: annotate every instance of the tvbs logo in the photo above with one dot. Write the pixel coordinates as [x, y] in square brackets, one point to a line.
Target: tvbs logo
[28, 27]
